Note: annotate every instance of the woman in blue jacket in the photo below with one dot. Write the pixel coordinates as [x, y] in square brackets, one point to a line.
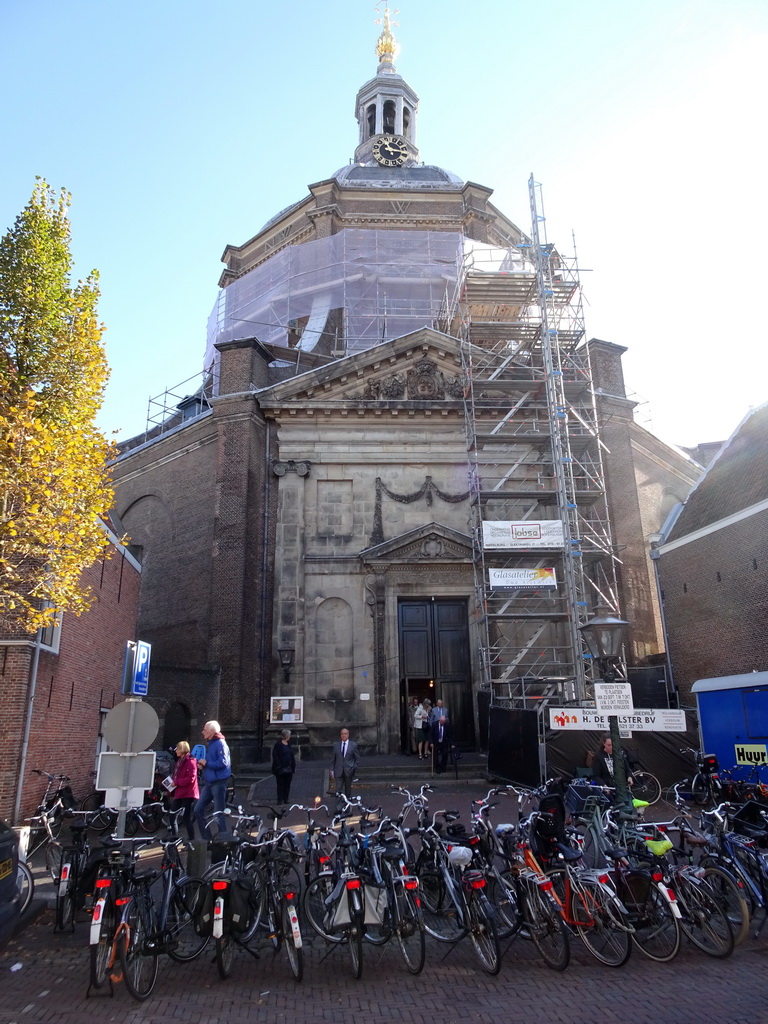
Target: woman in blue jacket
[217, 768]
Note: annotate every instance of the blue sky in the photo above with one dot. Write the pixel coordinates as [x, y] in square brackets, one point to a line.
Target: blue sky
[181, 126]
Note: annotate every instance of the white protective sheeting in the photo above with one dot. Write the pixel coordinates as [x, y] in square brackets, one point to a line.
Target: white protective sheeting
[388, 283]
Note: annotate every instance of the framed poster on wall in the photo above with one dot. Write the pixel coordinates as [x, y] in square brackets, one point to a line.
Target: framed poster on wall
[286, 710]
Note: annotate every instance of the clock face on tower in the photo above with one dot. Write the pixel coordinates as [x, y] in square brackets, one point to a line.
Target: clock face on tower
[390, 150]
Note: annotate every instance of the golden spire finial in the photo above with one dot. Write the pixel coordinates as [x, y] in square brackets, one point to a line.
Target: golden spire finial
[386, 45]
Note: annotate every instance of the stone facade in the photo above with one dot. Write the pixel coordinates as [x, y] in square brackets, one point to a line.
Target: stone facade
[324, 497]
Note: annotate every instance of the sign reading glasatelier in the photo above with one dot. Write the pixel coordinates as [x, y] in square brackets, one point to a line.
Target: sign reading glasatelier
[538, 578]
[522, 536]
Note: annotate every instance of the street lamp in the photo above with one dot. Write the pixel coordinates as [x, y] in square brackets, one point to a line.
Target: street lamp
[604, 635]
[286, 660]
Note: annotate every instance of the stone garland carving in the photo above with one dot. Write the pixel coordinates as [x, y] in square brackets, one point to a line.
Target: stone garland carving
[387, 387]
[426, 491]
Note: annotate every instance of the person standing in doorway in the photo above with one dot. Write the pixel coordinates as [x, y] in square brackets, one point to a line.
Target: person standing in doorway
[413, 738]
[438, 711]
[283, 765]
[346, 757]
[420, 720]
[217, 768]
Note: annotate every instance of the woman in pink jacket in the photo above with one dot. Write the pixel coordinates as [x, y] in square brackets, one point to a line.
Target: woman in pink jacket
[187, 791]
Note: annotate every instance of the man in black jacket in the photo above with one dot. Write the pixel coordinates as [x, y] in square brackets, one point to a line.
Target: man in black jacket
[440, 736]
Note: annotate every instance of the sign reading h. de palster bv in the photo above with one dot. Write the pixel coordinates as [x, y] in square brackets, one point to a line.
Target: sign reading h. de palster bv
[640, 720]
[505, 535]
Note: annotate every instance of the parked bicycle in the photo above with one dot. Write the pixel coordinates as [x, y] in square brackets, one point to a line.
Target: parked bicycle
[706, 785]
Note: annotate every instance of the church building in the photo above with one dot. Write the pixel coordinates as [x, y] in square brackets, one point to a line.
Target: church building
[406, 473]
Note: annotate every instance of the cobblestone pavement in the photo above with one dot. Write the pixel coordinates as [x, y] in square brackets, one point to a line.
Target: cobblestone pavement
[43, 980]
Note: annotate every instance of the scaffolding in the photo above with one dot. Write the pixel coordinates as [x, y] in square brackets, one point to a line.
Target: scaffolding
[543, 555]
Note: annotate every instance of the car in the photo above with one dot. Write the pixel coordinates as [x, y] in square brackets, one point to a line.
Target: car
[10, 898]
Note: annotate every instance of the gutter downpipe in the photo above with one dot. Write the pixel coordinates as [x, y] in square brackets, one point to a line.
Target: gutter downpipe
[266, 673]
[27, 724]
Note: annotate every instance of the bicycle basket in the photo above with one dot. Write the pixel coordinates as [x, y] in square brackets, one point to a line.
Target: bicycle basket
[577, 795]
[748, 821]
[633, 888]
[710, 764]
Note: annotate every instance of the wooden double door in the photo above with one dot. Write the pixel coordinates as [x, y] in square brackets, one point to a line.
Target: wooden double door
[435, 661]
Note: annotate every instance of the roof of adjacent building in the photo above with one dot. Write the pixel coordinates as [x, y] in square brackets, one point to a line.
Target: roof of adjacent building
[737, 478]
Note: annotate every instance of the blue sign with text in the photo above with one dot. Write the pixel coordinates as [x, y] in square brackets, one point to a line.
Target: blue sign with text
[141, 669]
[136, 668]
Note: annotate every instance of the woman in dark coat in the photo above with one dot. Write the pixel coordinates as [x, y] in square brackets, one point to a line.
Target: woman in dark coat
[283, 765]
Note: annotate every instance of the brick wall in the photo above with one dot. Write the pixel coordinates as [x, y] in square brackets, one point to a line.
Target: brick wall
[715, 594]
[71, 687]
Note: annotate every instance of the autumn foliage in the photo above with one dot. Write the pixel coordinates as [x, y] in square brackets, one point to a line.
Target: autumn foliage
[54, 484]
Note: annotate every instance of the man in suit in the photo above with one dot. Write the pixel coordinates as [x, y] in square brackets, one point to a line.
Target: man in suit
[346, 757]
[440, 737]
[438, 711]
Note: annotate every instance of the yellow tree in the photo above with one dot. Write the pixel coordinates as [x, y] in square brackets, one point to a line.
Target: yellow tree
[54, 482]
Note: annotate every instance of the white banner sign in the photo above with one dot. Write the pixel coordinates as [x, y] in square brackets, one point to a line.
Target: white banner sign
[640, 720]
[522, 578]
[614, 698]
[522, 536]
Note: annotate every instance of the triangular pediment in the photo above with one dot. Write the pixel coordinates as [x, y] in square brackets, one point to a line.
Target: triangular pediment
[430, 543]
[421, 367]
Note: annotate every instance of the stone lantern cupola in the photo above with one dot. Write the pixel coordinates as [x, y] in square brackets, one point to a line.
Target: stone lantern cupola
[387, 106]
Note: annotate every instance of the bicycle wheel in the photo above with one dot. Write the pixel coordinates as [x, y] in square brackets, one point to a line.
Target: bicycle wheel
[257, 900]
[185, 942]
[409, 928]
[546, 927]
[317, 912]
[292, 940]
[104, 821]
[657, 931]
[746, 866]
[138, 959]
[65, 900]
[442, 916]
[702, 920]
[151, 819]
[25, 883]
[101, 951]
[730, 897]
[354, 938]
[225, 955]
[92, 802]
[482, 932]
[503, 895]
[599, 922]
[700, 788]
[54, 857]
[591, 850]
[646, 787]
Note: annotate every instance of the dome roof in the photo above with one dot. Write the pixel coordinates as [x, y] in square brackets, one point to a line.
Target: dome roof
[416, 178]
